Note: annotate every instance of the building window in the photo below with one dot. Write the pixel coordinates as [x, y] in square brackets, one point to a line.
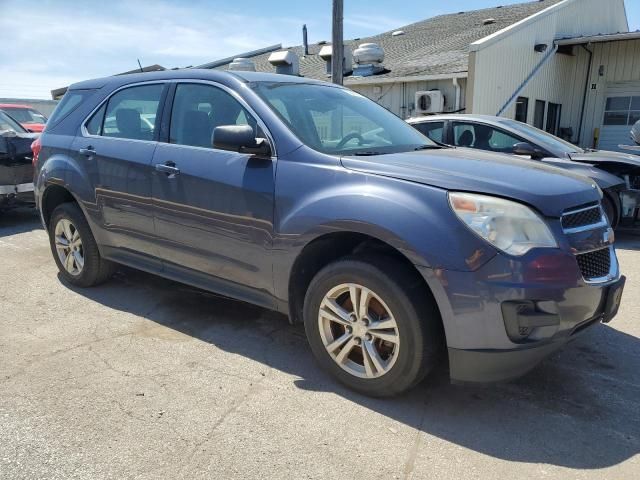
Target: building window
[553, 118]
[622, 111]
[522, 109]
[538, 117]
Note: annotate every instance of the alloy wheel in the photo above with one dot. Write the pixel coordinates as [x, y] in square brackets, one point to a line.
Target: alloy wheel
[69, 247]
[358, 330]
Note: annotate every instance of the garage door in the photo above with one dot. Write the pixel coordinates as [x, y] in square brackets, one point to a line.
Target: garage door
[622, 111]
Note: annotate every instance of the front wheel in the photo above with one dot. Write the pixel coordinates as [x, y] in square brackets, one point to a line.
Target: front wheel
[371, 327]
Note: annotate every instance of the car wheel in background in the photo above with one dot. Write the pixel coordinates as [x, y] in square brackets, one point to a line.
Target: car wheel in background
[372, 326]
[74, 249]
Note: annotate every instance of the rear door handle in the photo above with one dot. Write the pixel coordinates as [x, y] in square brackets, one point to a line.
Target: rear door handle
[87, 152]
[169, 168]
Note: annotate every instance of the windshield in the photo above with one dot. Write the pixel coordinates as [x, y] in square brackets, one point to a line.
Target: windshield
[8, 123]
[26, 115]
[338, 121]
[543, 139]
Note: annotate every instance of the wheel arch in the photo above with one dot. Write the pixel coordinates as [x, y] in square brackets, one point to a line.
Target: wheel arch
[54, 195]
[330, 247]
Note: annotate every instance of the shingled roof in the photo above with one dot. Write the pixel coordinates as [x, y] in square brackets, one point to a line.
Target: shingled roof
[436, 46]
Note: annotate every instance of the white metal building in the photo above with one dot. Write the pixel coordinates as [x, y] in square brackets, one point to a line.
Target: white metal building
[567, 66]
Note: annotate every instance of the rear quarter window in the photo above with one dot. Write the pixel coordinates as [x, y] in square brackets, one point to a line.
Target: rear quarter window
[71, 100]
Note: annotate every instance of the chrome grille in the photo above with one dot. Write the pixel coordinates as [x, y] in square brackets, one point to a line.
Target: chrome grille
[582, 218]
[596, 264]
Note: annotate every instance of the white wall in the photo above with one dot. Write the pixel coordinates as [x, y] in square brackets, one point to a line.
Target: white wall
[399, 98]
[500, 63]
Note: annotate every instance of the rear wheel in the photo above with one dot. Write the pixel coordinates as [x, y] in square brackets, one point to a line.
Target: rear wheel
[74, 249]
[369, 327]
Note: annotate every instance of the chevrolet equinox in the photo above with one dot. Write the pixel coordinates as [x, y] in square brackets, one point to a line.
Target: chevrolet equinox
[307, 198]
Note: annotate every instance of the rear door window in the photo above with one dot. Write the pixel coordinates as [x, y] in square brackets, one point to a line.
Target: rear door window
[483, 137]
[433, 130]
[131, 113]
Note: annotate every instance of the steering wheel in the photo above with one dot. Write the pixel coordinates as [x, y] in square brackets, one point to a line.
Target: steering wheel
[348, 137]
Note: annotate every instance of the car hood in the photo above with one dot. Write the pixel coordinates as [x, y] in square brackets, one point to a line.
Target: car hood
[604, 156]
[548, 189]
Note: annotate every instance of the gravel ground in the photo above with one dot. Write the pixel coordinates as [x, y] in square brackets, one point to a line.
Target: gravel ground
[147, 378]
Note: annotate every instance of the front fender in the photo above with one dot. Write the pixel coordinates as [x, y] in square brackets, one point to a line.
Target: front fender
[315, 200]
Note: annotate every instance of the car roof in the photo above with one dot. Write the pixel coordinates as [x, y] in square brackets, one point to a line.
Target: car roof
[460, 116]
[193, 74]
[14, 105]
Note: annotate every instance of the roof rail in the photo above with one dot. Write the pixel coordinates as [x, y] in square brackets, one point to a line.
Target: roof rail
[253, 53]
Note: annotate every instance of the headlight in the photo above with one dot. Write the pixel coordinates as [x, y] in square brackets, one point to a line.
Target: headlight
[509, 226]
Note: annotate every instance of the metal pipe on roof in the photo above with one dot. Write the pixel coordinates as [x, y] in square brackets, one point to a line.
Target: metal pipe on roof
[458, 88]
[337, 41]
[305, 42]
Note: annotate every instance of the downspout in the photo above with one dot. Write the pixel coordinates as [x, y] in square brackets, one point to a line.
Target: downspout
[458, 88]
[586, 89]
[513, 97]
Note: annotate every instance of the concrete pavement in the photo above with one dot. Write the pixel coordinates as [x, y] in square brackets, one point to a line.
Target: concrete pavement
[146, 378]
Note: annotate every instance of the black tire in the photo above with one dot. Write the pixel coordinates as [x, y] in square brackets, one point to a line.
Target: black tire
[418, 322]
[610, 211]
[95, 270]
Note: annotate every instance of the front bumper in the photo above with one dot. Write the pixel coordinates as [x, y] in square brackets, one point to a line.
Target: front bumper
[501, 320]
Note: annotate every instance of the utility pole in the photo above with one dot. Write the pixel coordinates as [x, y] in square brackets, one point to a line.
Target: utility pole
[337, 48]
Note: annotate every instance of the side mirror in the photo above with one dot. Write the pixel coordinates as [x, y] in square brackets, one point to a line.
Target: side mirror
[240, 138]
[527, 150]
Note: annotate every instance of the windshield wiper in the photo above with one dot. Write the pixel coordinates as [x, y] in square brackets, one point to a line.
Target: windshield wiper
[428, 147]
[366, 153]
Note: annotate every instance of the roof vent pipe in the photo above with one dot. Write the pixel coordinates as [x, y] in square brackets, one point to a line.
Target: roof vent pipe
[286, 62]
[242, 65]
[326, 53]
[305, 41]
[368, 58]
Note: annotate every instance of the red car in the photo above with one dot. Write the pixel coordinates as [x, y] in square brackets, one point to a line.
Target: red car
[25, 115]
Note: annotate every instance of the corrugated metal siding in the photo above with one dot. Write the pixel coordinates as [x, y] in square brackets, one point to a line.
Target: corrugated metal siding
[621, 61]
[502, 66]
[399, 98]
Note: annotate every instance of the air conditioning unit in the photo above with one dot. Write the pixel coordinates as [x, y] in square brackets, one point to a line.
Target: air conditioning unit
[429, 102]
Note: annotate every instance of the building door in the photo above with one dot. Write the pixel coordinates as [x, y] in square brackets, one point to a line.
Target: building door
[622, 111]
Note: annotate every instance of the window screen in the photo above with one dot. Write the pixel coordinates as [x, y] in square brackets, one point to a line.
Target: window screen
[622, 110]
[522, 109]
[554, 112]
[538, 117]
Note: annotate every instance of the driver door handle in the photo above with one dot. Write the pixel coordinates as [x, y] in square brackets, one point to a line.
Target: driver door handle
[87, 152]
[169, 168]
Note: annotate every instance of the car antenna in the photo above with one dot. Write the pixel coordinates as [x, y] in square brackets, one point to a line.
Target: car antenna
[140, 65]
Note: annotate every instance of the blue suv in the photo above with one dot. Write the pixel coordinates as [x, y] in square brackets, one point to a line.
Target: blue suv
[307, 198]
